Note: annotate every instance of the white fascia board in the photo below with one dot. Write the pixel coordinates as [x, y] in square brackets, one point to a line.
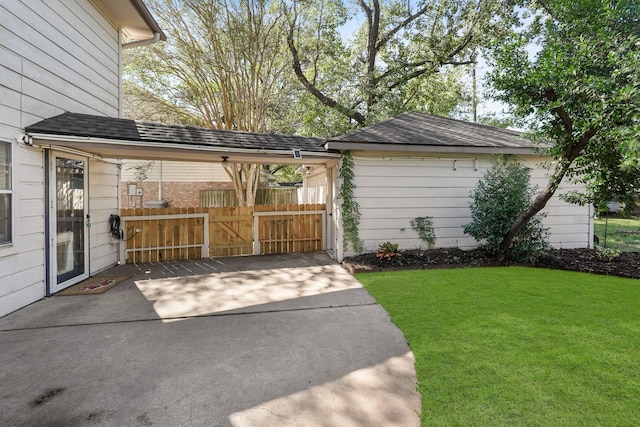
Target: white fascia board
[85, 144]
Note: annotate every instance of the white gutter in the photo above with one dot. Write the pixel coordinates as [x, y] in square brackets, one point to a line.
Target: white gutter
[80, 153]
[415, 148]
[145, 42]
[174, 146]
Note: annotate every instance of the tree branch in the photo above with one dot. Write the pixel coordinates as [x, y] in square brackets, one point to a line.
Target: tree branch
[326, 100]
[560, 111]
[552, 185]
[384, 40]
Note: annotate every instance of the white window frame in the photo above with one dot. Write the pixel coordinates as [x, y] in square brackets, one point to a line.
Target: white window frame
[10, 192]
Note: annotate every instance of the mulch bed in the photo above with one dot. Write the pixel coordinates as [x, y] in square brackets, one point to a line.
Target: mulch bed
[626, 264]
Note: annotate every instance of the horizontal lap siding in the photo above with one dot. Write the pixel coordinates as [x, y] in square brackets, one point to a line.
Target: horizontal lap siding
[63, 56]
[177, 171]
[22, 269]
[393, 191]
[56, 56]
[10, 86]
[103, 201]
[315, 189]
[569, 224]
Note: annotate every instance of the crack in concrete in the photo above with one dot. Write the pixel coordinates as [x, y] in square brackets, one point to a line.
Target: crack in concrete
[199, 316]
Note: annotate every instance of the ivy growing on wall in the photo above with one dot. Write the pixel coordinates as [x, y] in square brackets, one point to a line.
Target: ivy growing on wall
[350, 208]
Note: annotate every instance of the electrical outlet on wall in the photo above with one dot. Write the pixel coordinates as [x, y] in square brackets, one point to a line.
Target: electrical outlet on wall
[138, 191]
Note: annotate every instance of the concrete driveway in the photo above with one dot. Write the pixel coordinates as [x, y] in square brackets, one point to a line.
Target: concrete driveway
[287, 340]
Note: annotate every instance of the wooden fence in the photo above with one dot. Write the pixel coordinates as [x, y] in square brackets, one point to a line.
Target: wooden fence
[264, 196]
[165, 234]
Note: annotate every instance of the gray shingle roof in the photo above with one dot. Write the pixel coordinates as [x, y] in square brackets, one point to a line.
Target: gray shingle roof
[420, 129]
[90, 126]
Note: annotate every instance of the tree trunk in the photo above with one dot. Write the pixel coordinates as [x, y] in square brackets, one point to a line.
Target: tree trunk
[538, 204]
[246, 179]
[573, 150]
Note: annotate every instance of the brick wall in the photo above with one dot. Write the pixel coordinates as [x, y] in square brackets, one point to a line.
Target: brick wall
[178, 194]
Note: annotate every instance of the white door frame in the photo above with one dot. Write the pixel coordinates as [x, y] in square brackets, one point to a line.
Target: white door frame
[53, 240]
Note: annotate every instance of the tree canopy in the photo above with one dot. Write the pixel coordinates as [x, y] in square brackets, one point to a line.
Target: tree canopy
[396, 60]
[580, 93]
[222, 67]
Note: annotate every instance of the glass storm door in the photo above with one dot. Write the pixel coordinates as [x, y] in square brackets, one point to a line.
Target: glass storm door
[70, 263]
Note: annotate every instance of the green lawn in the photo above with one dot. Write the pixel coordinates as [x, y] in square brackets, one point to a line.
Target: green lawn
[622, 233]
[516, 346]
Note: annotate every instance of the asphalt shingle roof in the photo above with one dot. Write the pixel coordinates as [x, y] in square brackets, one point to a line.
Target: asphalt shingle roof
[420, 129]
[90, 126]
[408, 131]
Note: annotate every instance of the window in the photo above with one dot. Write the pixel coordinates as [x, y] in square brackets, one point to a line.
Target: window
[6, 192]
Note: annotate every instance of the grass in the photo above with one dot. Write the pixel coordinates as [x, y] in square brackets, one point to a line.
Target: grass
[623, 234]
[518, 346]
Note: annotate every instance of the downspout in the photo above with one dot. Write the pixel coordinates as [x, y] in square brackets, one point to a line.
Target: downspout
[145, 42]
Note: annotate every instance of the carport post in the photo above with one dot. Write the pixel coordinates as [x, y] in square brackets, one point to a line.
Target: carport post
[204, 253]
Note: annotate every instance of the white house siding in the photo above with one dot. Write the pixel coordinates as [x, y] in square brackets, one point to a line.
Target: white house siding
[22, 268]
[393, 190]
[177, 171]
[315, 187]
[104, 183]
[56, 56]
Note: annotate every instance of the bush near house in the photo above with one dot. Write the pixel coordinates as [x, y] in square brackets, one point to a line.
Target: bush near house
[503, 193]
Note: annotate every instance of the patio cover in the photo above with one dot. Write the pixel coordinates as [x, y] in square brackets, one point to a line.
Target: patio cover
[115, 138]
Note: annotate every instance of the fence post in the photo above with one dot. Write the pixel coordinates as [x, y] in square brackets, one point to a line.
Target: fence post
[204, 253]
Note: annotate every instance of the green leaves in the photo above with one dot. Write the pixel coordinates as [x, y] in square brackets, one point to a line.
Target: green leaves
[350, 208]
[423, 225]
[388, 251]
[573, 73]
[500, 197]
[401, 57]
[223, 64]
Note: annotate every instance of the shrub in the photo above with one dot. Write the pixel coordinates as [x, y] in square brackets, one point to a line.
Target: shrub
[608, 254]
[388, 251]
[423, 225]
[502, 194]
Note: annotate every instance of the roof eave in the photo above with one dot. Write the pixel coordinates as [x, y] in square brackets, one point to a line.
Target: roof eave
[149, 19]
[133, 18]
[152, 150]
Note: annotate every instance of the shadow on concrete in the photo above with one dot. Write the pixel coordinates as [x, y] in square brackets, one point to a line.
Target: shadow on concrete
[302, 349]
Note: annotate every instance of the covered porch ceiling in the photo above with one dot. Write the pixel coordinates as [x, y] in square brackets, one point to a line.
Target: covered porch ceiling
[114, 138]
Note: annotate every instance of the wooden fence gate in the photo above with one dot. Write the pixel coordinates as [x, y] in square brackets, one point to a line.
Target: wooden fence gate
[166, 234]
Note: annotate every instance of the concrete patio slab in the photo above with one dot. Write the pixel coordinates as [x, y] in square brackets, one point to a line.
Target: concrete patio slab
[276, 340]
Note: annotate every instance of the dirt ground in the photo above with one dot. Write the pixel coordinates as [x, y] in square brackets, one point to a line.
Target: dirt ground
[627, 264]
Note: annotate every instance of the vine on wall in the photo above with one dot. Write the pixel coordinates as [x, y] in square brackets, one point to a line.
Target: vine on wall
[350, 208]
